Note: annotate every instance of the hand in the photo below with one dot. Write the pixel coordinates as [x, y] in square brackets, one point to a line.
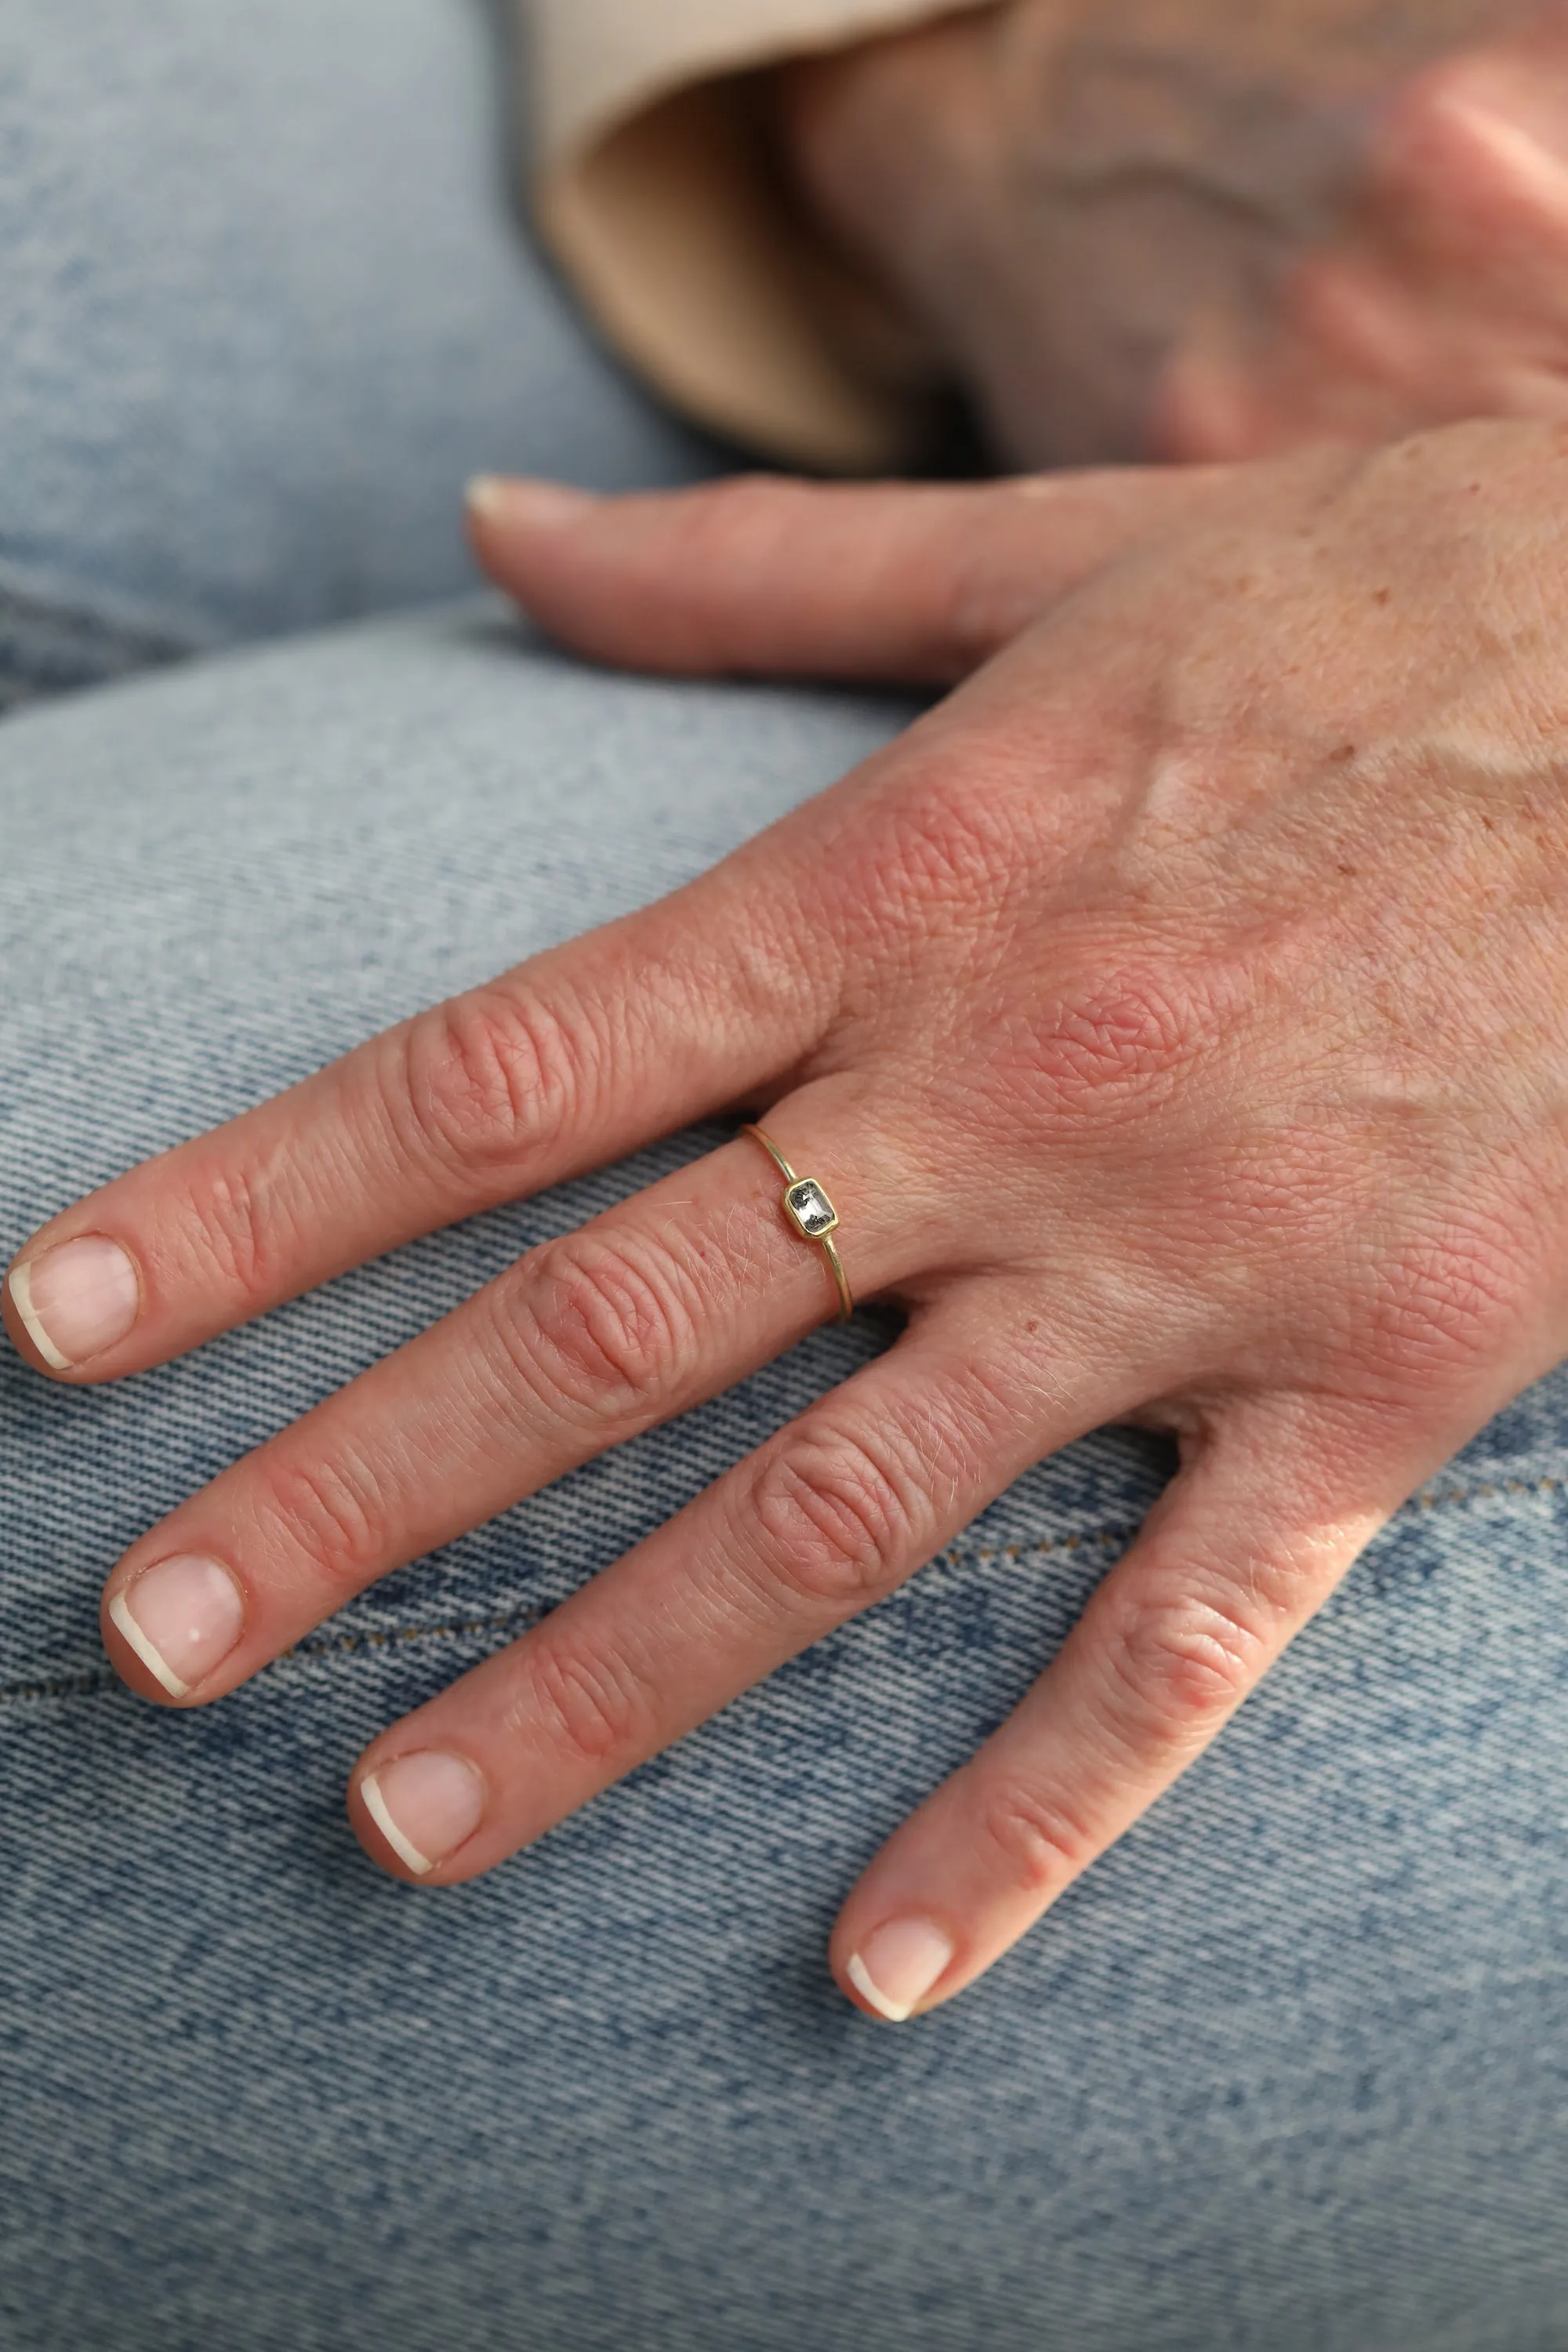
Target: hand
[1178, 1016]
[1442, 295]
[1210, 228]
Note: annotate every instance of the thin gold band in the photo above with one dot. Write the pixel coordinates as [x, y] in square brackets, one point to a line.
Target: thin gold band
[812, 1213]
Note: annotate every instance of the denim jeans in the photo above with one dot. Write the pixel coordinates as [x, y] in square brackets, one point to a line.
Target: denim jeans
[1286, 2072]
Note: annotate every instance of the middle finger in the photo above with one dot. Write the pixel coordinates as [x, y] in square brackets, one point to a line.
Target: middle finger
[587, 1341]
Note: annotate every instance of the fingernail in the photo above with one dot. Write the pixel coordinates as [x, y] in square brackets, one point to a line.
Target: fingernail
[523, 503]
[182, 1618]
[425, 1805]
[76, 1299]
[900, 1964]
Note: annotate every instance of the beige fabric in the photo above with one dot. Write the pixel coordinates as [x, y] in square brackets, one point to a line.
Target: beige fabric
[654, 194]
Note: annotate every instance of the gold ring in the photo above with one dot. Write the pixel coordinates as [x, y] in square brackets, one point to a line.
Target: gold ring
[812, 1214]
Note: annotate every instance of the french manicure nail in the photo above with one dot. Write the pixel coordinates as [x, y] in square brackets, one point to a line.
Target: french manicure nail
[898, 1965]
[425, 1805]
[76, 1299]
[504, 500]
[182, 1618]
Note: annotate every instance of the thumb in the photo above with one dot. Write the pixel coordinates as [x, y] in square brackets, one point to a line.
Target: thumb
[764, 574]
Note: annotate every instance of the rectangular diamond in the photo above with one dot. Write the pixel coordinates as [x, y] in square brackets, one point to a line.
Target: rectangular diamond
[810, 1207]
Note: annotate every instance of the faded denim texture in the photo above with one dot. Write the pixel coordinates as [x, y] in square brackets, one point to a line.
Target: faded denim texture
[1287, 2073]
[263, 304]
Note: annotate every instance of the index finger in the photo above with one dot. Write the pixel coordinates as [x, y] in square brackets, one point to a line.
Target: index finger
[572, 1059]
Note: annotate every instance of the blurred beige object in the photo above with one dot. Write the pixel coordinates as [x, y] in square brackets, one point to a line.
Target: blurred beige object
[655, 191]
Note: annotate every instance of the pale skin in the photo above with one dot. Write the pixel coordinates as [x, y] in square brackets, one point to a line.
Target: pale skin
[1208, 229]
[1178, 1015]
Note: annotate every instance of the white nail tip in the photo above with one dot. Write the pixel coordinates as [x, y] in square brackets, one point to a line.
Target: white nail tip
[120, 1615]
[20, 1285]
[859, 1976]
[375, 1805]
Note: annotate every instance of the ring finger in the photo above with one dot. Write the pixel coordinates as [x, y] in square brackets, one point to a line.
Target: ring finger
[593, 1336]
[829, 1516]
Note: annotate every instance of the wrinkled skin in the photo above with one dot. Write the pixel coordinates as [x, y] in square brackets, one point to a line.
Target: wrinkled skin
[1209, 228]
[1178, 1014]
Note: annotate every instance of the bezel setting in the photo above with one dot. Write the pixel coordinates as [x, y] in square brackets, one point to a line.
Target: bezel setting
[809, 1208]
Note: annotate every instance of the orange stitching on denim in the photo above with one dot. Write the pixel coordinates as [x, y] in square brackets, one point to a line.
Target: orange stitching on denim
[985, 1557]
[1489, 1490]
[83, 1685]
[324, 1646]
[93, 1680]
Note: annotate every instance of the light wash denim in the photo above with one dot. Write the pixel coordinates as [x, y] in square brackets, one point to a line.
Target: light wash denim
[263, 305]
[1286, 2072]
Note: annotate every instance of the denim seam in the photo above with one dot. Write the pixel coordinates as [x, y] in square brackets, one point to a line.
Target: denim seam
[94, 1680]
[101, 1678]
[48, 648]
[1489, 1490]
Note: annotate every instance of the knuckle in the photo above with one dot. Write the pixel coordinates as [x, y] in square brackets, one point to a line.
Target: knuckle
[591, 1709]
[1448, 1302]
[612, 1326]
[836, 1518]
[1181, 1665]
[487, 1080]
[331, 1516]
[1031, 1845]
[233, 1230]
[937, 858]
[945, 851]
[1116, 1047]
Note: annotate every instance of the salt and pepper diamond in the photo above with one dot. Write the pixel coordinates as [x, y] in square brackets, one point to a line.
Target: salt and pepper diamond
[809, 1206]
